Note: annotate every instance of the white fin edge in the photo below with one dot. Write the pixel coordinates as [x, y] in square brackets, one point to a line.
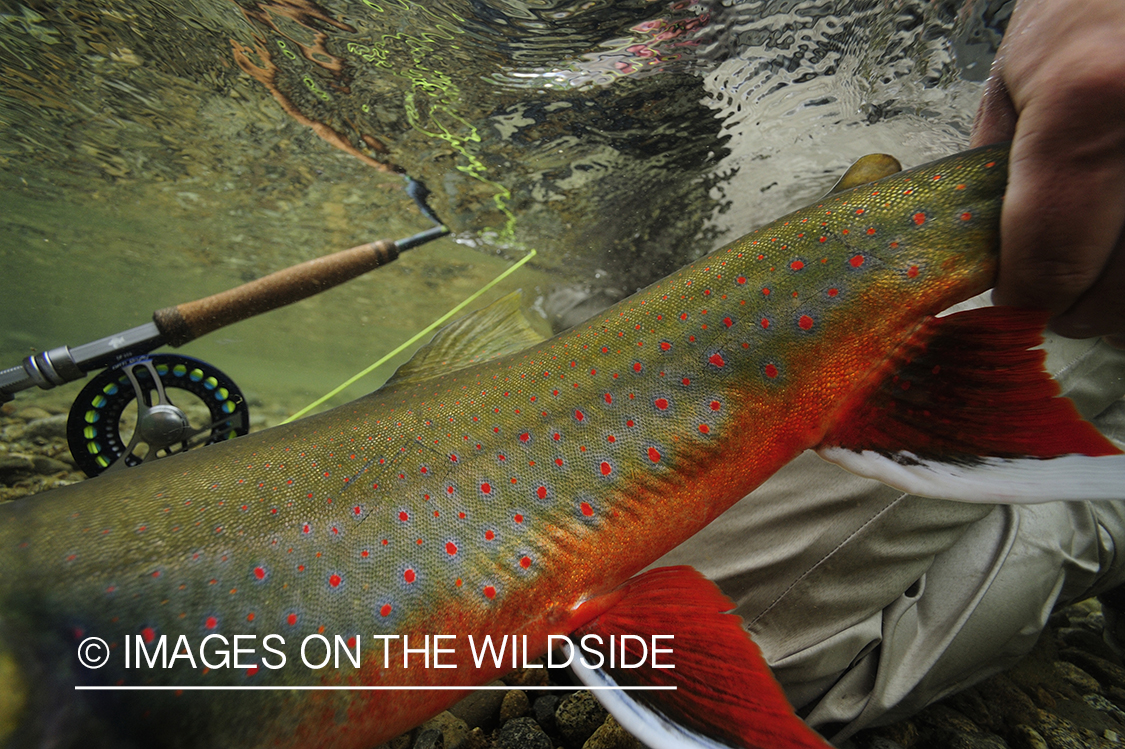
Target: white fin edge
[993, 480]
[648, 726]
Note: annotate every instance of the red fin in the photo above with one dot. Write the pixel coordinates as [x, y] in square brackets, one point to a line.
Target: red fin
[726, 693]
[965, 387]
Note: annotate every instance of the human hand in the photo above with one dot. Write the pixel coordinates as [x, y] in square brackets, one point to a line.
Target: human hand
[1057, 91]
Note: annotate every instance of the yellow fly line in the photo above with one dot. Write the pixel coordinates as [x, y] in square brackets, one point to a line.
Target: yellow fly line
[414, 339]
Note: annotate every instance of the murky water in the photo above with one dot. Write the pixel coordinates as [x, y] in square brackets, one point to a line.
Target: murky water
[152, 153]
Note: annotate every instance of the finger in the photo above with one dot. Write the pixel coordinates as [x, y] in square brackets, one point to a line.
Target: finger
[995, 121]
[1100, 311]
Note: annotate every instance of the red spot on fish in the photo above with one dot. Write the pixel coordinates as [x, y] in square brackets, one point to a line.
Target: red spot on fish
[765, 291]
[403, 516]
[525, 437]
[715, 405]
[357, 510]
[728, 322]
[686, 381]
[486, 488]
[859, 211]
[605, 468]
[409, 576]
[637, 366]
[716, 360]
[450, 548]
[525, 562]
[919, 218]
[334, 580]
[489, 535]
[912, 271]
[741, 280]
[856, 261]
[661, 403]
[489, 592]
[665, 345]
[654, 455]
[608, 398]
[260, 573]
[291, 619]
[966, 216]
[797, 264]
[250, 618]
[833, 292]
[541, 492]
[364, 554]
[805, 322]
[579, 415]
[556, 436]
[211, 622]
[149, 634]
[518, 518]
[683, 315]
[765, 323]
[704, 429]
[871, 230]
[559, 462]
[586, 509]
[385, 610]
[611, 439]
[771, 371]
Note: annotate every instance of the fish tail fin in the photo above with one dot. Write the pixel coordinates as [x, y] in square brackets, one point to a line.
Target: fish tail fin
[964, 410]
[724, 696]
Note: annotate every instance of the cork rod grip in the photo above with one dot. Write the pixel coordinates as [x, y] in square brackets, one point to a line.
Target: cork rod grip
[190, 320]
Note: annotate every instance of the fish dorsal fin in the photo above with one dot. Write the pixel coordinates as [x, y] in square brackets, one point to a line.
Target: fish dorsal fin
[489, 333]
[872, 167]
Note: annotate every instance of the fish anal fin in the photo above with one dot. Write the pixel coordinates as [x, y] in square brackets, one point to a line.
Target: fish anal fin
[869, 168]
[725, 695]
[488, 333]
[967, 398]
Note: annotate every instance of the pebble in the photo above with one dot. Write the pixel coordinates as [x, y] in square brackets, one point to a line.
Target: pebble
[429, 738]
[522, 733]
[578, 716]
[515, 705]
[543, 710]
[480, 709]
[47, 427]
[610, 735]
[454, 731]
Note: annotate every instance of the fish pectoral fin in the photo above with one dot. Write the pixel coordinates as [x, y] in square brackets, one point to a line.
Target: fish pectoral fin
[488, 333]
[724, 696]
[869, 168]
[965, 410]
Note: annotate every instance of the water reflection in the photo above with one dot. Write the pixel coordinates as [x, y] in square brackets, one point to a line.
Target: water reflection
[620, 139]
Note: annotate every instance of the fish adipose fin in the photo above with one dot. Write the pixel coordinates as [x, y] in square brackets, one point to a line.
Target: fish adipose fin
[965, 411]
[869, 168]
[725, 696]
[489, 333]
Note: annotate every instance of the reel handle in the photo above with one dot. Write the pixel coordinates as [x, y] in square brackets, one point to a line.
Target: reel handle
[190, 320]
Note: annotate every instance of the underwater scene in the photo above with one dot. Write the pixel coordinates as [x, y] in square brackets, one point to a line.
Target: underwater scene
[574, 151]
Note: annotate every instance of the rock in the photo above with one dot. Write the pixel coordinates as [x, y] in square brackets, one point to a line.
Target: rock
[14, 464]
[480, 709]
[477, 740]
[882, 742]
[543, 710]
[454, 730]
[429, 738]
[1026, 737]
[515, 705]
[578, 716]
[610, 735]
[48, 466]
[1062, 734]
[31, 413]
[522, 733]
[1077, 678]
[950, 738]
[1100, 668]
[47, 427]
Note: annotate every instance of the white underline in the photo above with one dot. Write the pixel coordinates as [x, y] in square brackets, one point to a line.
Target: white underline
[358, 689]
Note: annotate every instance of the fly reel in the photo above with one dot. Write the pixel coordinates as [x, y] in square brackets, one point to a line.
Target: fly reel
[126, 415]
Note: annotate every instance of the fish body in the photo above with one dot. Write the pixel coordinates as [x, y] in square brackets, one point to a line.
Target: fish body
[500, 497]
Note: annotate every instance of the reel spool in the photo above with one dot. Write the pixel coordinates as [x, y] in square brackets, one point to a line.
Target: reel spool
[97, 429]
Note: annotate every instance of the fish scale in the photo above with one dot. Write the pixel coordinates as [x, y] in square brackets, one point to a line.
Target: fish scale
[463, 501]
